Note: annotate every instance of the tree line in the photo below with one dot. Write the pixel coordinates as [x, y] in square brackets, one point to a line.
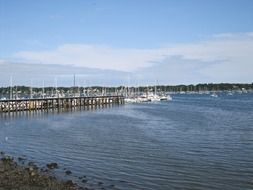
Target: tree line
[164, 88]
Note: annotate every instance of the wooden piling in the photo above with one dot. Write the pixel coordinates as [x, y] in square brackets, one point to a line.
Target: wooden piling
[18, 105]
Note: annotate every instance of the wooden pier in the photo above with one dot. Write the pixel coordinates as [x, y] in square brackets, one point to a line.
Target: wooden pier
[57, 103]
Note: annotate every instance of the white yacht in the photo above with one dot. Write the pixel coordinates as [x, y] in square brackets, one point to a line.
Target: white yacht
[214, 95]
[165, 98]
[154, 97]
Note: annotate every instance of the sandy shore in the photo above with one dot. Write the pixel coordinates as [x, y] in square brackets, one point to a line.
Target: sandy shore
[15, 176]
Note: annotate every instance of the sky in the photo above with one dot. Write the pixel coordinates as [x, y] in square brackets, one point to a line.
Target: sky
[125, 42]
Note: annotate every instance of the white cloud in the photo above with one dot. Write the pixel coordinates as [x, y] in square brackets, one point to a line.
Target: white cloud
[95, 56]
[233, 48]
[224, 35]
[250, 34]
[223, 57]
[24, 73]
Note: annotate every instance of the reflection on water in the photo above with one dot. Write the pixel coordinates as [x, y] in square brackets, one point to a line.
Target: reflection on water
[193, 142]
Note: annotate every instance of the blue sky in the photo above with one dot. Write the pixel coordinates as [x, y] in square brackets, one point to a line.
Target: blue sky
[129, 37]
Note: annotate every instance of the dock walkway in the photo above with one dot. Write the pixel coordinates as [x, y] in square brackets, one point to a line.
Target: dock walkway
[57, 103]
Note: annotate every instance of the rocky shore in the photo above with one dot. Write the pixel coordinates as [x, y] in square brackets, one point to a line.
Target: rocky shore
[17, 176]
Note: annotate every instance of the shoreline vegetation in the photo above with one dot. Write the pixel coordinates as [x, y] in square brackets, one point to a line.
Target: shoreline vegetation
[162, 88]
[19, 175]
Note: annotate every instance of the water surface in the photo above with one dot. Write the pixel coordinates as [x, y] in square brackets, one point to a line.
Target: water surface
[192, 142]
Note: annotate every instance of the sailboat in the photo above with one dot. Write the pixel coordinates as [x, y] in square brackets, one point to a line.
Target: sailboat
[155, 97]
[214, 95]
[165, 98]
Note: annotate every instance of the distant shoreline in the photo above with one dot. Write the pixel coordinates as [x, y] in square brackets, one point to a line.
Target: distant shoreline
[36, 91]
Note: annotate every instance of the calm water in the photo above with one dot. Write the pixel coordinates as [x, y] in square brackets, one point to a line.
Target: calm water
[194, 142]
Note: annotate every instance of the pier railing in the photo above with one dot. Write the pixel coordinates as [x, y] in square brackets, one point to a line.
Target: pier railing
[57, 103]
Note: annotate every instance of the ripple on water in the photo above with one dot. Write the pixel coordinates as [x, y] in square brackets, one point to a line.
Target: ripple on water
[193, 142]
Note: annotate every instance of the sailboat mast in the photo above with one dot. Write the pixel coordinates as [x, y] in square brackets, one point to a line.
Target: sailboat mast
[31, 90]
[74, 85]
[43, 89]
[10, 87]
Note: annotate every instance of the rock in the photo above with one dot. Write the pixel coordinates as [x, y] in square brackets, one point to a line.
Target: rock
[68, 172]
[52, 177]
[69, 183]
[21, 159]
[31, 164]
[52, 165]
[15, 176]
[32, 174]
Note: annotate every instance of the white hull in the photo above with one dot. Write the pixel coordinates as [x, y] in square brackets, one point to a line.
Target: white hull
[150, 98]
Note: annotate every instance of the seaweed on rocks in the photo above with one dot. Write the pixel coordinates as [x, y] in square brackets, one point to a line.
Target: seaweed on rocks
[29, 177]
